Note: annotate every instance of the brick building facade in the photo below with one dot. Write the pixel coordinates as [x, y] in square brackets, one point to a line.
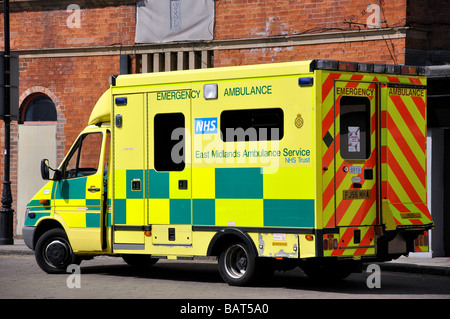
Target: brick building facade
[70, 63]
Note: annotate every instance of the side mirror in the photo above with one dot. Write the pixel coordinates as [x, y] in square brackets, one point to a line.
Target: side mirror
[44, 169]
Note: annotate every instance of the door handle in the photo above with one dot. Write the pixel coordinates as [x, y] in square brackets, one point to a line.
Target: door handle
[182, 184]
[93, 189]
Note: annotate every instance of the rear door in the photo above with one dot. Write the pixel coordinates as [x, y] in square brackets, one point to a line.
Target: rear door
[355, 166]
[403, 156]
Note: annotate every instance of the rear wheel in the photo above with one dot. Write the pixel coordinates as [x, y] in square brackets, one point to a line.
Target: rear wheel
[237, 265]
[53, 252]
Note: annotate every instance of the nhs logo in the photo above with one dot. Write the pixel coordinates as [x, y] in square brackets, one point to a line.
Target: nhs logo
[205, 125]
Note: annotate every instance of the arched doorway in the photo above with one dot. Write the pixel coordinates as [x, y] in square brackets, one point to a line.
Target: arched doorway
[37, 140]
[38, 107]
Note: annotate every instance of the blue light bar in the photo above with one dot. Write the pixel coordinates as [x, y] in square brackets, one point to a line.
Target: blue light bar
[305, 81]
[121, 101]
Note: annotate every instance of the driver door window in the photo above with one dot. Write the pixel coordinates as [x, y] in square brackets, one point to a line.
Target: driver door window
[84, 158]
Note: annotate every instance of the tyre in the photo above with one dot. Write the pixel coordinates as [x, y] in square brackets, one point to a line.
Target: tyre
[139, 261]
[237, 265]
[53, 252]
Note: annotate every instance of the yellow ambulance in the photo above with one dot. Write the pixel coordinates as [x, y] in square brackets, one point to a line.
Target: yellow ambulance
[318, 164]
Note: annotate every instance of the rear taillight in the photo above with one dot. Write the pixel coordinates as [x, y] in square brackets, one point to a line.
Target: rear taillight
[329, 242]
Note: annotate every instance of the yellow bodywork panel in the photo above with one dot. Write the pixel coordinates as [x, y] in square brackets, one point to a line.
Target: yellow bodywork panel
[129, 237]
[101, 113]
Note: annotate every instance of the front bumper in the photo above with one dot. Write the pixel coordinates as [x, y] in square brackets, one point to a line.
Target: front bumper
[28, 236]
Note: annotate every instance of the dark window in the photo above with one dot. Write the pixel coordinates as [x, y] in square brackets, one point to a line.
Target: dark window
[40, 108]
[84, 157]
[252, 125]
[355, 127]
[169, 142]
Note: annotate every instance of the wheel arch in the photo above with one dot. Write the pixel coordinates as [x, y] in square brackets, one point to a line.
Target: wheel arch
[226, 236]
[43, 227]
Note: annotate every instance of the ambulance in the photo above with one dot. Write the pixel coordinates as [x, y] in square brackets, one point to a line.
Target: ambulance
[318, 164]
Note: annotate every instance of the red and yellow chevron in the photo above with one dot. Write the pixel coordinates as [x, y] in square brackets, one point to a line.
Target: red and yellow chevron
[403, 153]
[397, 143]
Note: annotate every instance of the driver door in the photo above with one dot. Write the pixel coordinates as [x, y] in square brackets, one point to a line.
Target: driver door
[79, 195]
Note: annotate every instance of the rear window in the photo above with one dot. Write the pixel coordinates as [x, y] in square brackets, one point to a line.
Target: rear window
[355, 127]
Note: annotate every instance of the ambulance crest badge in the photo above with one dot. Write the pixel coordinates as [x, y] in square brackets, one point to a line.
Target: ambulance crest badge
[299, 121]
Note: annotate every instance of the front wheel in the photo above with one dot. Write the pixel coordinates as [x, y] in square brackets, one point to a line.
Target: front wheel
[237, 265]
[53, 252]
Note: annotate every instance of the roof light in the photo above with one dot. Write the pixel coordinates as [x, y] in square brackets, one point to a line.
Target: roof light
[379, 68]
[412, 70]
[393, 69]
[347, 66]
[306, 81]
[210, 91]
[365, 67]
[326, 65]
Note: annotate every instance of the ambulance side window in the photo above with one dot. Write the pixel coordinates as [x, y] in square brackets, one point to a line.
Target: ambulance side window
[84, 157]
[355, 127]
[169, 142]
[252, 125]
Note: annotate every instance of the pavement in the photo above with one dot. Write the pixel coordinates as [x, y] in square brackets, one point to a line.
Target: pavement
[422, 265]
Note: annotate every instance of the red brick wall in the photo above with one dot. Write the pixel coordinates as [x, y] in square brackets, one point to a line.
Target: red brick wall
[374, 52]
[259, 18]
[73, 83]
[77, 83]
[48, 29]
